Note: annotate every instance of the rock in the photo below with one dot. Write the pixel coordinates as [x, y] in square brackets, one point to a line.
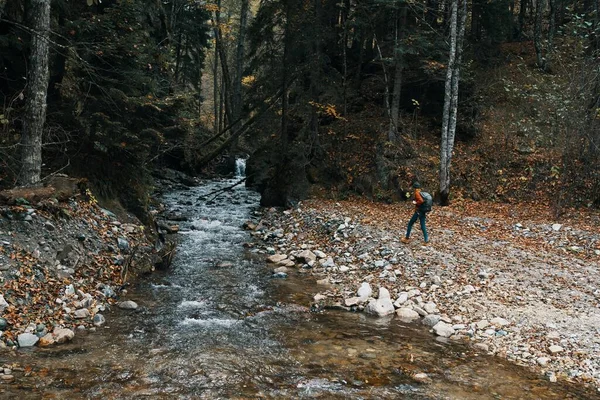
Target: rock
[320, 254]
[306, 256]
[81, 313]
[468, 289]
[542, 361]
[365, 291]
[483, 274]
[344, 268]
[553, 335]
[422, 377]
[27, 339]
[499, 322]
[63, 335]
[99, 320]
[319, 297]
[407, 314]
[352, 301]
[327, 262]
[554, 349]
[128, 305]
[3, 324]
[431, 320]
[430, 308]
[556, 227]
[275, 258]
[49, 226]
[279, 275]
[7, 378]
[482, 324]
[443, 329]
[324, 281]
[46, 340]
[122, 244]
[224, 264]
[420, 311]
[280, 269]
[402, 298]
[482, 347]
[382, 306]
[3, 304]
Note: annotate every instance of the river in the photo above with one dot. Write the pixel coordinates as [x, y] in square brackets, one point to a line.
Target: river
[217, 325]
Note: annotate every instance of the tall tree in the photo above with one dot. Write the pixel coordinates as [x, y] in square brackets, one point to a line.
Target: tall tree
[399, 67]
[35, 93]
[457, 34]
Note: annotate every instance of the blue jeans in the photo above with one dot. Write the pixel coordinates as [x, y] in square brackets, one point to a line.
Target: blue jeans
[422, 217]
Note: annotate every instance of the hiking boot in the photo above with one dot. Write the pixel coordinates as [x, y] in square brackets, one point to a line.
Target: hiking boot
[405, 240]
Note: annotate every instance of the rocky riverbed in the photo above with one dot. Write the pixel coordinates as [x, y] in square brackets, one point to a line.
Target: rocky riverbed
[511, 281]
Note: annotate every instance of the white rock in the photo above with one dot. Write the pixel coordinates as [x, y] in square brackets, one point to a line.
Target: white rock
[543, 361]
[280, 269]
[499, 322]
[318, 297]
[482, 347]
[352, 301]
[384, 294]
[482, 324]
[407, 314]
[275, 258]
[3, 304]
[443, 329]
[402, 298]
[380, 307]
[365, 291]
[327, 262]
[430, 308]
[344, 268]
[554, 349]
[556, 227]
[468, 289]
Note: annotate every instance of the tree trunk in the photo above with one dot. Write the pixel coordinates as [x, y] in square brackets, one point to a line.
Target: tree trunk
[35, 93]
[216, 98]
[399, 66]
[537, 34]
[239, 62]
[522, 13]
[552, 27]
[226, 77]
[451, 97]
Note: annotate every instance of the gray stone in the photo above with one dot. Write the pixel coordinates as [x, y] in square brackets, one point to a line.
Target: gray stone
[443, 329]
[128, 305]
[279, 275]
[306, 256]
[327, 262]
[81, 313]
[352, 301]
[63, 335]
[27, 339]
[123, 244]
[320, 254]
[280, 269]
[431, 320]
[99, 320]
[430, 307]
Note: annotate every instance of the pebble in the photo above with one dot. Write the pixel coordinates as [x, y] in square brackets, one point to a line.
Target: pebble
[443, 329]
[407, 314]
[128, 305]
[554, 349]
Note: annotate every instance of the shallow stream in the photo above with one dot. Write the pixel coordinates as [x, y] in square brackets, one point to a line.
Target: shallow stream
[218, 326]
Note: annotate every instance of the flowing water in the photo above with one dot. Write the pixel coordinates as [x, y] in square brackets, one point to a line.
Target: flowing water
[218, 326]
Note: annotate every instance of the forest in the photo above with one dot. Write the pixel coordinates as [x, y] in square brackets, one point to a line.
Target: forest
[209, 199]
[351, 97]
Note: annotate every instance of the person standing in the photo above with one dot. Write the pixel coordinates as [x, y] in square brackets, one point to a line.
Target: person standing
[419, 214]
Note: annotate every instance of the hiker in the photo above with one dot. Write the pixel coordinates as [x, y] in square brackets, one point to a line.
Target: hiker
[422, 207]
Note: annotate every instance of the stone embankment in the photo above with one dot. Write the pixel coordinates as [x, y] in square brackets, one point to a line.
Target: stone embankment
[520, 287]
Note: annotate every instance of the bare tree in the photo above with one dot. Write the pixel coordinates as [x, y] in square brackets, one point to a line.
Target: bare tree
[399, 66]
[451, 96]
[35, 93]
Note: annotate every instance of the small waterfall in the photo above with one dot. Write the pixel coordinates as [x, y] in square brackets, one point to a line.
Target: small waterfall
[240, 168]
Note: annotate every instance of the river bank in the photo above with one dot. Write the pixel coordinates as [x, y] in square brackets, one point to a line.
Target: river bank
[511, 281]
